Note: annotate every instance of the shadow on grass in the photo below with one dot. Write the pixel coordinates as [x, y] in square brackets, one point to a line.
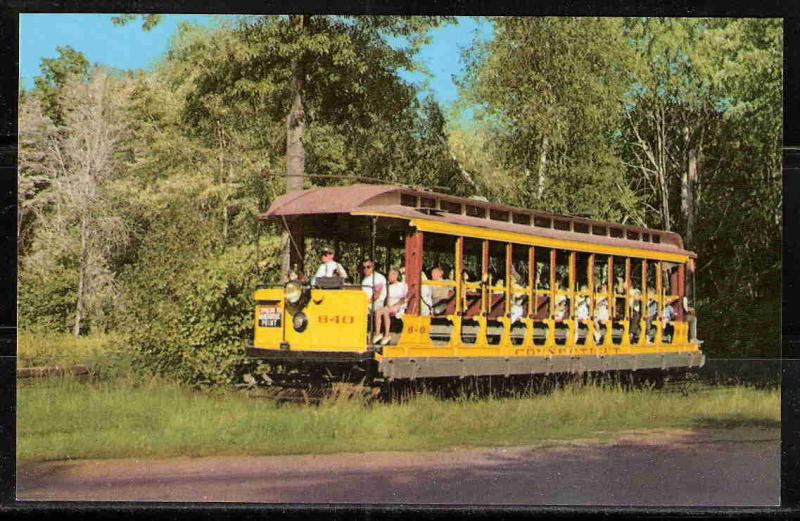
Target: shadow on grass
[731, 423]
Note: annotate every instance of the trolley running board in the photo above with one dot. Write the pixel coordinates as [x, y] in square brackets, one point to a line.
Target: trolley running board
[425, 367]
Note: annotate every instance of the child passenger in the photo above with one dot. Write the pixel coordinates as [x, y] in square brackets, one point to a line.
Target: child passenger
[396, 295]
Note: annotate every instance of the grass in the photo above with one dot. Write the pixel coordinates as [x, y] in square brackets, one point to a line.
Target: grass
[64, 419]
[62, 349]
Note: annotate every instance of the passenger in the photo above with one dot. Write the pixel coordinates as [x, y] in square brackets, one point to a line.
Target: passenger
[652, 313]
[636, 314]
[440, 296]
[581, 309]
[516, 309]
[395, 306]
[436, 298]
[374, 285]
[691, 319]
[619, 290]
[668, 316]
[601, 314]
[328, 266]
[425, 297]
[561, 303]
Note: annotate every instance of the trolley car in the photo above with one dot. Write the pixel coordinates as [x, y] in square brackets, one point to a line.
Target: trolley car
[518, 283]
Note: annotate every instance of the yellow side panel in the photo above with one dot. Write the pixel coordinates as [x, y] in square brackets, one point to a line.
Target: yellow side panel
[337, 321]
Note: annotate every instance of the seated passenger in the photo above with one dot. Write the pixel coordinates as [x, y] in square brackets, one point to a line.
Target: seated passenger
[395, 306]
[328, 266]
[581, 309]
[435, 298]
[636, 314]
[667, 316]
[619, 291]
[652, 313]
[562, 303]
[516, 310]
[425, 296]
[582, 304]
[600, 314]
[374, 285]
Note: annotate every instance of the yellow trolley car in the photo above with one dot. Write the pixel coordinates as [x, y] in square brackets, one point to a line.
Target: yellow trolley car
[524, 292]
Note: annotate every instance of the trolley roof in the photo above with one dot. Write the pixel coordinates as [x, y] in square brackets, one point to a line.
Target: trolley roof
[438, 212]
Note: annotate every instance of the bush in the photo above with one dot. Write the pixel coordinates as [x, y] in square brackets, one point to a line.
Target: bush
[190, 320]
[46, 300]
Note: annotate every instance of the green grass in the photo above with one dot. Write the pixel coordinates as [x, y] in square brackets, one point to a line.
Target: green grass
[62, 349]
[64, 419]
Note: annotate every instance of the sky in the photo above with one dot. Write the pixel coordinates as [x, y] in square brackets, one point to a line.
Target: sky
[129, 47]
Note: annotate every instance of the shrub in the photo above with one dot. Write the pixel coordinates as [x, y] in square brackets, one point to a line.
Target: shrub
[189, 314]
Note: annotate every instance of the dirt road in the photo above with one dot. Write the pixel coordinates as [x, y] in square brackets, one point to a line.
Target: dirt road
[654, 468]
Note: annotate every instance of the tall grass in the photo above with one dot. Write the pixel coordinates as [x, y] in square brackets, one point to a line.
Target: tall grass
[63, 349]
[65, 420]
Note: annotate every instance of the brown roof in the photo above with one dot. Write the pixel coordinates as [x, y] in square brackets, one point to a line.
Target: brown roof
[385, 200]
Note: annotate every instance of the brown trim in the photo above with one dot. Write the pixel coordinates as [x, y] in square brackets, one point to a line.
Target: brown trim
[414, 245]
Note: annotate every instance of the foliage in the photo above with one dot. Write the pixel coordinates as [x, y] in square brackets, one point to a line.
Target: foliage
[78, 227]
[548, 91]
[201, 296]
[56, 73]
[669, 123]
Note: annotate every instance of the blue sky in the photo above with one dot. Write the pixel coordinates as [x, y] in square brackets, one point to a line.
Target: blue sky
[129, 47]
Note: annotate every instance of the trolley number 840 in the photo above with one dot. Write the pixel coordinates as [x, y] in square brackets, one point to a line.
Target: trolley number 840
[335, 319]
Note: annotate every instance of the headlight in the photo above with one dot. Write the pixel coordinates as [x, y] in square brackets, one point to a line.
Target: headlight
[292, 292]
[299, 321]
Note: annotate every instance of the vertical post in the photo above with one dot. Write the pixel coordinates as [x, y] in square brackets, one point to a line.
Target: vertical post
[681, 291]
[659, 292]
[572, 284]
[414, 244]
[509, 279]
[552, 283]
[297, 248]
[644, 304]
[612, 301]
[459, 259]
[628, 302]
[590, 279]
[533, 300]
[485, 278]
[372, 236]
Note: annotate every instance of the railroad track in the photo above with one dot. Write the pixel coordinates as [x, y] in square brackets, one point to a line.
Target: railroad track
[313, 395]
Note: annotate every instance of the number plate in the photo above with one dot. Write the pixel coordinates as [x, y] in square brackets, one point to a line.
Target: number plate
[269, 317]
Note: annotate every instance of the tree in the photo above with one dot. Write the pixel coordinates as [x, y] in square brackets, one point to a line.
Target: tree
[302, 65]
[56, 73]
[548, 90]
[36, 134]
[79, 158]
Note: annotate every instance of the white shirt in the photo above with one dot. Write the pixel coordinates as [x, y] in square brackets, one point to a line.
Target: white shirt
[329, 269]
[397, 292]
[601, 310]
[582, 311]
[380, 282]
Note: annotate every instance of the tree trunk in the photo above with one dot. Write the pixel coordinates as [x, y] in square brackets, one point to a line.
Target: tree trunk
[295, 127]
[542, 166]
[687, 199]
[688, 180]
[76, 329]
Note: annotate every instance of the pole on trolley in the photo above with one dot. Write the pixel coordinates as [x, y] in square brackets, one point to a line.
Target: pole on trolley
[373, 233]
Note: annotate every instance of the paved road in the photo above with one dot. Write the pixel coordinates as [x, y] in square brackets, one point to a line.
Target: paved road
[656, 468]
